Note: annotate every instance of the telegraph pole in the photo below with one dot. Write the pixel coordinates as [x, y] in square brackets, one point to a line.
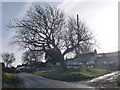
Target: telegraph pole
[77, 21]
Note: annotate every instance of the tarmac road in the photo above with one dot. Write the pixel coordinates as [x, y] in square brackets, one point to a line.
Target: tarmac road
[33, 81]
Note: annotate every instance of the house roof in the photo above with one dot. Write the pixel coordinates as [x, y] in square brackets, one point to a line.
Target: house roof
[85, 55]
[110, 54]
[22, 67]
[82, 56]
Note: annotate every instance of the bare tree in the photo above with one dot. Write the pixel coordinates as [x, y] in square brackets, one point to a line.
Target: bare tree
[45, 28]
[8, 58]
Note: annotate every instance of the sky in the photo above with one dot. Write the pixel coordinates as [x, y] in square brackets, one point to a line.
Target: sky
[99, 15]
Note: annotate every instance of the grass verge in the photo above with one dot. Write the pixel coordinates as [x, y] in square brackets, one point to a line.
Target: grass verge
[72, 75]
[11, 80]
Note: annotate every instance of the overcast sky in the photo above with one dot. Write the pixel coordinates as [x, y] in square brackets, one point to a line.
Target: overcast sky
[101, 17]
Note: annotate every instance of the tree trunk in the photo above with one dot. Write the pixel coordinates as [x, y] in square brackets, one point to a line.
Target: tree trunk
[56, 54]
[62, 63]
[61, 60]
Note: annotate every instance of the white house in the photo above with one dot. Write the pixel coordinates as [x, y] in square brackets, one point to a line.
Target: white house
[88, 58]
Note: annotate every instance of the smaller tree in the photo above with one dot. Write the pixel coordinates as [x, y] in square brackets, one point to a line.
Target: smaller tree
[32, 57]
[8, 58]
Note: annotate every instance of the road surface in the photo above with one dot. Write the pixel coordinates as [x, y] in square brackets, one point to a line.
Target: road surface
[33, 81]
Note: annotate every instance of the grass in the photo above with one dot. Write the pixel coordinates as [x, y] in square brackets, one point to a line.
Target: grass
[10, 80]
[72, 74]
[93, 72]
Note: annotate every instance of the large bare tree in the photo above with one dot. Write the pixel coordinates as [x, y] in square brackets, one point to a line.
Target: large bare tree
[47, 29]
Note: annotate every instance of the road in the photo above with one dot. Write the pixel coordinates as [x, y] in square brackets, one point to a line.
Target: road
[33, 81]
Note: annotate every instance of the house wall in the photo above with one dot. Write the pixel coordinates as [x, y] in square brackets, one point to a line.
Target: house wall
[78, 60]
[73, 62]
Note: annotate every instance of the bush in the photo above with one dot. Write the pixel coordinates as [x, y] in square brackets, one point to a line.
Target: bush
[9, 70]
